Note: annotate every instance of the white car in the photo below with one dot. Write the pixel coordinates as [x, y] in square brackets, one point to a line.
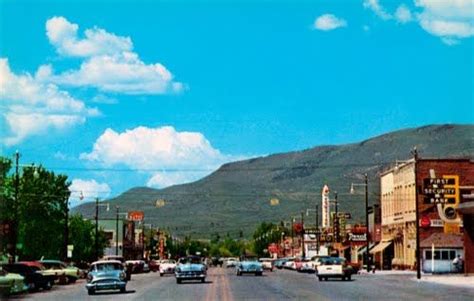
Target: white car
[334, 267]
[290, 264]
[267, 263]
[167, 266]
[231, 262]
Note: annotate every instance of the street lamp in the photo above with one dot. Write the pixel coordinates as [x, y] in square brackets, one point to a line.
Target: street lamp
[316, 226]
[367, 258]
[97, 225]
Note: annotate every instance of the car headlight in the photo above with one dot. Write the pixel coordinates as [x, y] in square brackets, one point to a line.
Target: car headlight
[178, 270]
[122, 276]
[89, 277]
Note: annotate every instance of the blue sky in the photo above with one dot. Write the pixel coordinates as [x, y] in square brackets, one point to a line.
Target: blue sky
[118, 94]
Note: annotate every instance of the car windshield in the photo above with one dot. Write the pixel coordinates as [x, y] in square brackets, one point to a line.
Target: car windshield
[194, 260]
[332, 261]
[104, 267]
[168, 261]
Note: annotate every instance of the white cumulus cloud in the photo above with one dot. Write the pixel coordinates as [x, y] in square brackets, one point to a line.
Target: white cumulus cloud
[32, 107]
[169, 156]
[328, 22]
[109, 65]
[449, 20]
[403, 14]
[378, 9]
[86, 191]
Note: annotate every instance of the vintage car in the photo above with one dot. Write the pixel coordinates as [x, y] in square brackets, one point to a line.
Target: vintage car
[249, 265]
[190, 268]
[154, 265]
[34, 278]
[167, 266]
[69, 274]
[231, 262]
[267, 263]
[279, 263]
[334, 267]
[106, 275]
[128, 267]
[137, 265]
[11, 283]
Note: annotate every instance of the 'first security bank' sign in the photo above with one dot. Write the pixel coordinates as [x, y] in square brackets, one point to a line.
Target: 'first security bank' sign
[439, 190]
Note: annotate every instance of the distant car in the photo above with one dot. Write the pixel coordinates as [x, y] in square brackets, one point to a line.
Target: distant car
[106, 275]
[231, 262]
[190, 268]
[305, 266]
[11, 283]
[267, 263]
[154, 265]
[167, 266]
[71, 273]
[33, 275]
[137, 265]
[334, 267]
[128, 268]
[290, 264]
[316, 260]
[249, 265]
[279, 263]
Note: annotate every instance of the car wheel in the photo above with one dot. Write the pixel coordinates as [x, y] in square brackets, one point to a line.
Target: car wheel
[348, 278]
[239, 273]
[123, 290]
[48, 285]
[320, 278]
[178, 281]
[326, 278]
[161, 274]
[71, 280]
[203, 280]
[91, 292]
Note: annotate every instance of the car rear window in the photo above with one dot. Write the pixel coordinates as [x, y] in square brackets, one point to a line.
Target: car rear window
[108, 267]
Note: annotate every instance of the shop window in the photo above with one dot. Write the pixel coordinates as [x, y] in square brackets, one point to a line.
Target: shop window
[445, 255]
[452, 254]
[428, 255]
[437, 255]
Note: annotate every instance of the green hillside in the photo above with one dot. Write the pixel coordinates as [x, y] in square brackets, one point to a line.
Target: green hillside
[237, 196]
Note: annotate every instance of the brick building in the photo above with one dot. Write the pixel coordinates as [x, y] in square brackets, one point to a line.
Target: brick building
[437, 191]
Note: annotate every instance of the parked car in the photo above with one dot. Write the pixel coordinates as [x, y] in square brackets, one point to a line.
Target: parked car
[154, 265]
[71, 273]
[316, 260]
[290, 264]
[334, 267]
[11, 283]
[305, 266]
[231, 262]
[128, 268]
[34, 278]
[137, 265]
[249, 265]
[106, 275]
[167, 266]
[279, 263]
[190, 268]
[267, 263]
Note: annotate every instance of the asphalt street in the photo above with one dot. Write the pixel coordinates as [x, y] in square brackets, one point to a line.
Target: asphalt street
[223, 284]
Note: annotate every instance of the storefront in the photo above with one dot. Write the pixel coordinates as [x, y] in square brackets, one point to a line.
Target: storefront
[438, 252]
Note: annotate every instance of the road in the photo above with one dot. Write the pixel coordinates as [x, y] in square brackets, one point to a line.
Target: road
[223, 284]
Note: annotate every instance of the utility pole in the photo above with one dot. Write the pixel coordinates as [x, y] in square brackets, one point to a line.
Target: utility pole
[15, 223]
[417, 221]
[367, 241]
[97, 228]
[303, 253]
[317, 229]
[66, 229]
[336, 220]
[292, 237]
[116, 230]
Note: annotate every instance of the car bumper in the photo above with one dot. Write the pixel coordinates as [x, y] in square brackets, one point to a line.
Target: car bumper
[191, 276]
[106, 285]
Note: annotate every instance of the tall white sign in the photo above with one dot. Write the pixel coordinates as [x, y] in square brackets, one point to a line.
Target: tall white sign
[325, 207]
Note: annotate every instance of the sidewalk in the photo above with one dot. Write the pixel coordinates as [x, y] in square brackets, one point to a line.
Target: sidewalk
[460, 280]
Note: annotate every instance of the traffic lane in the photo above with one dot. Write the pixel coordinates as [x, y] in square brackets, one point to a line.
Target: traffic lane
[276, 285]
[294, 285]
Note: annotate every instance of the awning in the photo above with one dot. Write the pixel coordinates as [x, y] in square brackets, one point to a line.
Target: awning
[380, 247]
[362, 249]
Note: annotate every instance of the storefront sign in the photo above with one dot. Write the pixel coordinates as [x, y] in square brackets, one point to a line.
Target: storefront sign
[136, 216]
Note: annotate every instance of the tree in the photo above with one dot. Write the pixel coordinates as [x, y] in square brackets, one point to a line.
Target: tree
[82, 237]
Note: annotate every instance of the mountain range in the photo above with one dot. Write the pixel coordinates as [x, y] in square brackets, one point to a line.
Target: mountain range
[234, 199]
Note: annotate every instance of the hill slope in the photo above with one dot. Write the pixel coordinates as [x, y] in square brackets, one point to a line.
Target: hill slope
[237, 196]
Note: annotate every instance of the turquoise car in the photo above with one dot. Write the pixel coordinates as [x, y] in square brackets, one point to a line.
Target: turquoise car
[106, 275]
[190, 268]
[11, 283]
[249, 266]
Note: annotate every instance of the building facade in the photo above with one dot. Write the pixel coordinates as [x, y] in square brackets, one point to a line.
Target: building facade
[435, 187]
